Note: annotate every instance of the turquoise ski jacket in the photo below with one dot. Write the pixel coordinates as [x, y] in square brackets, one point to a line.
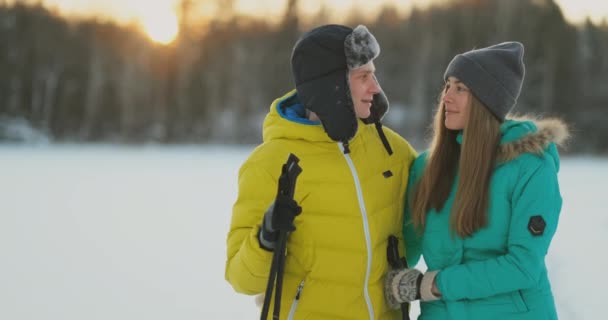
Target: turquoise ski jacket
[499, 272]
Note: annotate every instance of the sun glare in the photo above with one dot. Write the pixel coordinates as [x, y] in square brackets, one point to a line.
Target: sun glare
[160, 25]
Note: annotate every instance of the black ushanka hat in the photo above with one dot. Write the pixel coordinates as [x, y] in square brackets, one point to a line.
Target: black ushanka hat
[320, 62]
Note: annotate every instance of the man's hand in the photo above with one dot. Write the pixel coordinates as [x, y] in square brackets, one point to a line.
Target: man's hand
[279, 217]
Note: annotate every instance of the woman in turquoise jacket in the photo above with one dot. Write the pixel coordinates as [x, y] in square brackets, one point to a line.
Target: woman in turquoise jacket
[483, 201]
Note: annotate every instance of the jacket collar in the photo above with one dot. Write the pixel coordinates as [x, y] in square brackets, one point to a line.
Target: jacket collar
[525, 135]
[280, 125]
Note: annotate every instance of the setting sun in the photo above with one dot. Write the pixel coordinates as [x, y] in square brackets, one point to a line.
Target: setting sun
[159, 20]
[160, 24]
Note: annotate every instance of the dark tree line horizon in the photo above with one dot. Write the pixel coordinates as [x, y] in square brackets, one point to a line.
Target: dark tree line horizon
[93, 81]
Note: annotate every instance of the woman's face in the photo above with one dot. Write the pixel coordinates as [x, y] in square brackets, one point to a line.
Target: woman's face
[456, 104]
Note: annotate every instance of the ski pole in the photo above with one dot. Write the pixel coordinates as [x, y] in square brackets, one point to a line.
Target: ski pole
[396, 262]
[286, 187]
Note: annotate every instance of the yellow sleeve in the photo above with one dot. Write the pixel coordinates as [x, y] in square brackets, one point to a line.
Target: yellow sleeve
[248, 265]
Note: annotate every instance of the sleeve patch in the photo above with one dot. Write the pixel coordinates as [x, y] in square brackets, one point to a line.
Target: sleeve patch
[537, 225]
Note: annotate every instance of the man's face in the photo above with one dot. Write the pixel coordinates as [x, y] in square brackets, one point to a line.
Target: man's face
[363, 87]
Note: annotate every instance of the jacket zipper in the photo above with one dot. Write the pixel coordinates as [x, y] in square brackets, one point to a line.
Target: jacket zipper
[295, 302]
[366, 230]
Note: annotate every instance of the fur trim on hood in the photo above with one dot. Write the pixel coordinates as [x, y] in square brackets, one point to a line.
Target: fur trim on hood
[549, 131]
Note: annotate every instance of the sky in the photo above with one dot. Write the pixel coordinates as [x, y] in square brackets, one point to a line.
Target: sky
[158, 19]
[122, 233]
[574, 10]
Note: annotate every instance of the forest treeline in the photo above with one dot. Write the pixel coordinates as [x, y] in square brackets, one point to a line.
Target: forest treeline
[88, 80]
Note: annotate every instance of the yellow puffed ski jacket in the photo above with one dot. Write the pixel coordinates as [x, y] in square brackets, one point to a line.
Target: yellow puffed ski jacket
[336, 258]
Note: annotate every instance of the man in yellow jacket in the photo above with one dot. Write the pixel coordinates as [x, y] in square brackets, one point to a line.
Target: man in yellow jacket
[350, 192]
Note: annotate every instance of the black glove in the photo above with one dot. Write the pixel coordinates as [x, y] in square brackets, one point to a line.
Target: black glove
[407, 285]
[279, 217]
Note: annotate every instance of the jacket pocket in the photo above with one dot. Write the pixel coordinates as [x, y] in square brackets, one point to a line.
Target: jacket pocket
[296, 300]
[502, 306]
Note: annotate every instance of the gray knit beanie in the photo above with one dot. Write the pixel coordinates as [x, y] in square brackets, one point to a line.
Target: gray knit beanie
[494, 74]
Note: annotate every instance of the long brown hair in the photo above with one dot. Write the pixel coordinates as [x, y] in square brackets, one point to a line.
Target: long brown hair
[474, 162]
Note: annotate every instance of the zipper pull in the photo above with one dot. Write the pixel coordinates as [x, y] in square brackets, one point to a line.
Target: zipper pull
[345, 146]
[300, 287]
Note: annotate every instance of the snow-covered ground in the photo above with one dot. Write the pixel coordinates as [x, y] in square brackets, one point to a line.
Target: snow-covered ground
[128, 233]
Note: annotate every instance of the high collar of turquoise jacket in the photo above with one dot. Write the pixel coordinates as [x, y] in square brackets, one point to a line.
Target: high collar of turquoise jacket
[510, 130]
[282, 122]
[524, 135]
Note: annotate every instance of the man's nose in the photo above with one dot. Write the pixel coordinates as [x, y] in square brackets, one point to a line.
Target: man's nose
[375, 88]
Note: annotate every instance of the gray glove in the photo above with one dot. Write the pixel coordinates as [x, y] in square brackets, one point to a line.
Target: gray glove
[407, 285]
[402, 285]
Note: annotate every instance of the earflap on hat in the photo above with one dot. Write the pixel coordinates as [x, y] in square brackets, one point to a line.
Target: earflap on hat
[319, 68]
[326, 96]
[379, 108]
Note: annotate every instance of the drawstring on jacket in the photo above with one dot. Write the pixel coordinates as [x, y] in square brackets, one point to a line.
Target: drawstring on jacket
[387, 146]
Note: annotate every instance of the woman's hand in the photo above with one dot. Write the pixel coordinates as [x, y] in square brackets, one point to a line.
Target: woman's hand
[406, 285]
